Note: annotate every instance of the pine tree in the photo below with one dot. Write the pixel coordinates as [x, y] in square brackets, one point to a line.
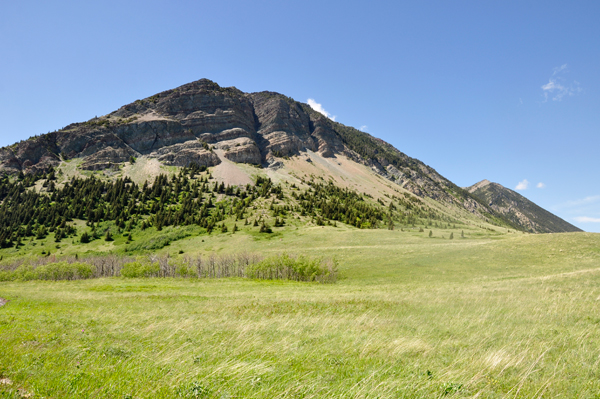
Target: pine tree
[41, 233]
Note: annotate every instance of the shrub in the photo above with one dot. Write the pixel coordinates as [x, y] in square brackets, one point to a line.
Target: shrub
[64, 271]
[24, 272]
[50, 271]
[140, 269]
[184, 271]
[7, 275]
[163, 240]
[301, 268]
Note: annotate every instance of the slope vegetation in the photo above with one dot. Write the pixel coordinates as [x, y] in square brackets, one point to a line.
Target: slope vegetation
[206, 125]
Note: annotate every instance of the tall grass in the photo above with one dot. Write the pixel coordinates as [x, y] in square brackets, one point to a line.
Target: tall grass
[413, 318]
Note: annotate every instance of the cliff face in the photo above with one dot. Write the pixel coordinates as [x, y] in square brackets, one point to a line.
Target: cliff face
[518, 209]
[175, 126]
[185, 125]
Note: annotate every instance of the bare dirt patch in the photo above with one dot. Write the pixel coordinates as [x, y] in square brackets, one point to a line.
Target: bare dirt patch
[151, 116]
[230, 173]
[144, 169]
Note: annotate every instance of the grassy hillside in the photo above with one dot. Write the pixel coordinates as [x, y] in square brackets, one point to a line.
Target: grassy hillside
[68, 212]
[493, 316]
[429, 299]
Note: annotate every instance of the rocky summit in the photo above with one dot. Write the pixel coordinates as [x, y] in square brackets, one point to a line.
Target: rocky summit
[204, 124]
[179, 126]
[518, 209]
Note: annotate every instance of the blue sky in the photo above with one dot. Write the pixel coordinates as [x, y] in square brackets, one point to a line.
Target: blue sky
[505, 91]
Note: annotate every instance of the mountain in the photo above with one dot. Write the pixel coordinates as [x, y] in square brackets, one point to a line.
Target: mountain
[518, 209]
[224, 128]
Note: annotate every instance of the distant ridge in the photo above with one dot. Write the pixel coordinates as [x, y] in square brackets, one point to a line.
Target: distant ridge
[518, 209]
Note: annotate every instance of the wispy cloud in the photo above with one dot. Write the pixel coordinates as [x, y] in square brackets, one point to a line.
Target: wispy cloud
[580, 202]
[559, 69]
[582, 206]
[319, 108]
[522, 185]
[586, 219]
[557, 87]
[363, 128]
[541, 185]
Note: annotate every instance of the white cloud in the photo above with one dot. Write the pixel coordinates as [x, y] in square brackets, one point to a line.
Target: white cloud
[559, 69]
[541, 185]
[319, 108]
[522, 185]
[363, 128]
[556, 88]
[586, 219]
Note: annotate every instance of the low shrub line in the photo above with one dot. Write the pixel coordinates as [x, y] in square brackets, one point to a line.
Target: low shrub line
[244, 265]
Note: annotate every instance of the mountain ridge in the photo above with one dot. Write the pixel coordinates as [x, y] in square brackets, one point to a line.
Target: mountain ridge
[519, 209]
[203, 123]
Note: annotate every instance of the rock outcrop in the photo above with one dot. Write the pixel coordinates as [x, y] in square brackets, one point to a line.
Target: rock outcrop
[187, 124]
[176, 126]
[518, 209]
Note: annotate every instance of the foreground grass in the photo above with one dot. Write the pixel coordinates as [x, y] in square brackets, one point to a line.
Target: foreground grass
[509, 317]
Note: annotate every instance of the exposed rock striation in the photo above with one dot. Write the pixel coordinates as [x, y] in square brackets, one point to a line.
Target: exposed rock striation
[187, 124]
[174, 126]
[518, 209]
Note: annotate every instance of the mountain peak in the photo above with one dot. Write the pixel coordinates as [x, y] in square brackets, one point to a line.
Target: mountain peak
[518, 209]
[478, 185]
[205, 124]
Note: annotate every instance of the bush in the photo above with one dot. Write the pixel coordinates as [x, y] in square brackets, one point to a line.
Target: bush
[24, 272]
[6, 275]
[140, 269]
[163, 240]
[301, 268]
[64, 271]
[184, 271]
[51, 271]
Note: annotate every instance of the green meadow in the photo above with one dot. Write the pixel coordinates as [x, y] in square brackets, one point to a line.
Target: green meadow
[489, 315]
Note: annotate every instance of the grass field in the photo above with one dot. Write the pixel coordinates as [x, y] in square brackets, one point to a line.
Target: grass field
[506, 316]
